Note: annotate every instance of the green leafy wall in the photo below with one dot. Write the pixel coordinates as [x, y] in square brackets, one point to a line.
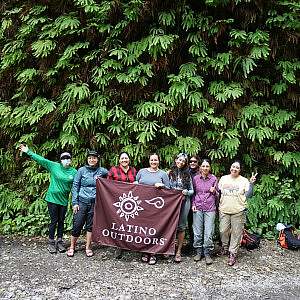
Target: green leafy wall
[218, 78]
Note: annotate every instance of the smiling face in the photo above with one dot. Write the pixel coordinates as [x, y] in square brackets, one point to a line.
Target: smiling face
[194, 164]
[235, 169]
[154, 161]
[124, 160]
[92, 160]
[205, 168]
[180, 162]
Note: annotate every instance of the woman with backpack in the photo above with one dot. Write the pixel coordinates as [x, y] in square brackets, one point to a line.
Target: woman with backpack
[57, 197]
[83, 201]
[234, 190]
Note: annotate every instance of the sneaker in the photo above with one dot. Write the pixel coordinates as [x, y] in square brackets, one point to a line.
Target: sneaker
[119, 253]
[60, 246]
[208, 260]
[232, 259]
[52, 247]
[197, 257]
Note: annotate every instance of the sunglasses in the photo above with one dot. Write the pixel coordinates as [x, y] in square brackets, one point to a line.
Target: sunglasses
[193, 161]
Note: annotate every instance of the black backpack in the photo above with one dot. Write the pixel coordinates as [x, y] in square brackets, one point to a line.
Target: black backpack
[288, 238]
[250, 241]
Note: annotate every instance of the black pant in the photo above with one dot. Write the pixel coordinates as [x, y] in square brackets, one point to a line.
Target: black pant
[190, 227]
[83, 216]
[57, 216]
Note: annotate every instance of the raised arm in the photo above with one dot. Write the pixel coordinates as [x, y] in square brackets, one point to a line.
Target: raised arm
[46, 163]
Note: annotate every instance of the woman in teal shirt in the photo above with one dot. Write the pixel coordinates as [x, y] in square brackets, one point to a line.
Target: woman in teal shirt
[61, 180]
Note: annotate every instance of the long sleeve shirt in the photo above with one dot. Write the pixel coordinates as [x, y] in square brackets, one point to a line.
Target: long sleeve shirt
[204, 199]
[84, 185]
[61, 179]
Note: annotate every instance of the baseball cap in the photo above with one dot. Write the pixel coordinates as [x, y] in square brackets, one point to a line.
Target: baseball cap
[92, 153]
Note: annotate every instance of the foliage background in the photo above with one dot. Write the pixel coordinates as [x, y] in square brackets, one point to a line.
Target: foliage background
[219, 78]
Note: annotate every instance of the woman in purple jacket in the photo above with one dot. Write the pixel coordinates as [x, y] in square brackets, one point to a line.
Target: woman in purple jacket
[204, 211]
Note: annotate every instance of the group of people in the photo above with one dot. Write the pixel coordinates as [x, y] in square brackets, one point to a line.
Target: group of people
[203, 197]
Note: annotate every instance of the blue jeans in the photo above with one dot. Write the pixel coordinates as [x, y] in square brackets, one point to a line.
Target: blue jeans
[204, 227]
[83, 216]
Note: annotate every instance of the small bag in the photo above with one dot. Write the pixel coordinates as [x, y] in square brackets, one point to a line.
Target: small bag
[250, 241]
[288, 238]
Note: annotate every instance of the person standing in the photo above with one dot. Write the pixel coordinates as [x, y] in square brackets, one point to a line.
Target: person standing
[83, 201]
[180, 179]
[125, 173]
[194, 170]
[158, 178]
[57, 196]
[204, 211]
[234, 190]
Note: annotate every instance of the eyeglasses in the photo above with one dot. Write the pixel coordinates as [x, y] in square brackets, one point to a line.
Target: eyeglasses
[193, 161]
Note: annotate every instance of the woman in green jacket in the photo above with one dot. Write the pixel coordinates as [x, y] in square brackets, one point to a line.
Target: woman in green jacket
[57, 197]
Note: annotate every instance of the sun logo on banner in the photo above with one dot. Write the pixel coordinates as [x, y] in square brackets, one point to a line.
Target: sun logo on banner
[129, 206]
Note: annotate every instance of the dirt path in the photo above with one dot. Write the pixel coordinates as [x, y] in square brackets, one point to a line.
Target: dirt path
[28, 271]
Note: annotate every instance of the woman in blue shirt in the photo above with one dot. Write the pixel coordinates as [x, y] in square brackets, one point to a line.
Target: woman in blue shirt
[83, 200]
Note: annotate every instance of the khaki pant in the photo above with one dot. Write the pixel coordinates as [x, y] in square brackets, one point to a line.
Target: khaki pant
[231, 230]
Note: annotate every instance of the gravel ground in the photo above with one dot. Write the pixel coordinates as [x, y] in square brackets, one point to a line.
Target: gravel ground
[28, 271]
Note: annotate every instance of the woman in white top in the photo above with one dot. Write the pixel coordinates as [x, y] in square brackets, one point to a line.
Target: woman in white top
[234, 190]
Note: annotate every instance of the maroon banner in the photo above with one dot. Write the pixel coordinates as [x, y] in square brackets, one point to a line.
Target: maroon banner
[136, 217]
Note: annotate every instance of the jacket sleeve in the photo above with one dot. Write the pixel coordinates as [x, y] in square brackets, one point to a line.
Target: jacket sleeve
[104, 172]
[46, 163]
[76, 187]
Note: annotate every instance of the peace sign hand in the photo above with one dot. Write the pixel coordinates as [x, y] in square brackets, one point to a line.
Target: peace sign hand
[253, 177]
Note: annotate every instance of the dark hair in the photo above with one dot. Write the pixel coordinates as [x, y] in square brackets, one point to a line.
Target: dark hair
[237, 161]
[183, 173]
[205, 160]
[195, 156]
[154, 154]
[123, 152]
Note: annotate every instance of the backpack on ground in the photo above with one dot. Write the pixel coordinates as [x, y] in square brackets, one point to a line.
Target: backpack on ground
[288, 238]
[250, 241]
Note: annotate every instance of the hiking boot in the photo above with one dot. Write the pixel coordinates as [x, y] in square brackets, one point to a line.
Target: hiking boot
[52, 247]
[60, 246]
[197, 257]
[119, 253]
[232, 259]
[208, 260]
